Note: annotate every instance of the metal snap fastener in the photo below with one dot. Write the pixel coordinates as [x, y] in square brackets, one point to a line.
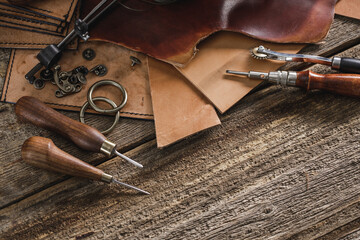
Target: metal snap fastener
[107, 82]
[86, 105]
[89, 54]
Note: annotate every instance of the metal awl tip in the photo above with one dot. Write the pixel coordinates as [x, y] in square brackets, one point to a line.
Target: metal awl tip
[130, 186]
[237, 73]
[128, 159]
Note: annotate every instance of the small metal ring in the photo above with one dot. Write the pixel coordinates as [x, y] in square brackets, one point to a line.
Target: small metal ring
[107, 82]
[86, 105]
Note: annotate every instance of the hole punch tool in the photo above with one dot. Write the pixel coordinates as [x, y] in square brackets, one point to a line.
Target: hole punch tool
[42, 153]
[344, 84]
[50, 55]
[32, 110]
[349, 65]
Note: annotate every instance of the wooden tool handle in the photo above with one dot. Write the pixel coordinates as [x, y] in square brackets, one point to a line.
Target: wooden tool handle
[36, 112]
[42, 152]
[344, 84]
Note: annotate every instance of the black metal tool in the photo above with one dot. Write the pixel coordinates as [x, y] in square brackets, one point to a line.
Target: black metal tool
[50, 55]
[349, 65]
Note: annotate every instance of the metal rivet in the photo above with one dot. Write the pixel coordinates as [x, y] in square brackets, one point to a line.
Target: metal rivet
[89, 54]
[134, 61]
[39, 84]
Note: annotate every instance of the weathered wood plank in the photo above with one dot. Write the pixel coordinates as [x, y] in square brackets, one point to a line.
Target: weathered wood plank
[282, 162]
[344, 32]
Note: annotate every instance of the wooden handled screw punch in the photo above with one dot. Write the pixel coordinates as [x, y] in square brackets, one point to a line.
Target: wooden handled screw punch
[344, 84]
[42, 152]
[34, 111]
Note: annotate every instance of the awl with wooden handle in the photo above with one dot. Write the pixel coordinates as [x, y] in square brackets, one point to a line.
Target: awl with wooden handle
[42, 153]
[32, 110]
[344, 84]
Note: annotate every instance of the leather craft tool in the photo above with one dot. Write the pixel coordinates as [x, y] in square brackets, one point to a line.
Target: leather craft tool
[344, 84]
[52, 53]
[88, 138]
[42, 152]
[350, 65]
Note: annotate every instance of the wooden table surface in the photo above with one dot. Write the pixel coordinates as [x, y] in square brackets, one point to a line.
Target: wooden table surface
[284, 164]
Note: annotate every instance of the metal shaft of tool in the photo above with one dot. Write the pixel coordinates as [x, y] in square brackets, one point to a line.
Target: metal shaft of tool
[294, 57]
[71, 36]
[130, 186]
[251, 74]
[128, 159]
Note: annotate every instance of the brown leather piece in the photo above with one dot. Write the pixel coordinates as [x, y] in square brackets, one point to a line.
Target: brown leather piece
[223, 51]
[348, 8]
[179, 109]
[115, 58]
[171, 32]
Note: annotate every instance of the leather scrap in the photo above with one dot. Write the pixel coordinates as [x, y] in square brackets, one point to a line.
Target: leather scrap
[62, 10]
[171, 32]
[223, 51]
[114, 57]
[348, 8]
[18, 37]
[179, 109]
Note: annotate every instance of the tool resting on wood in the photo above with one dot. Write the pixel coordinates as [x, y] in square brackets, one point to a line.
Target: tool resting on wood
[344, 84]
[42, 153]
[32, 110]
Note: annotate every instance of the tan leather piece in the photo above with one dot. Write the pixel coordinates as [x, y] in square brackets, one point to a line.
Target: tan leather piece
[22, 39]
[226, 50]
[179, 109]
[349, 8]
[20, 13]
[114, 57]
[62, 9]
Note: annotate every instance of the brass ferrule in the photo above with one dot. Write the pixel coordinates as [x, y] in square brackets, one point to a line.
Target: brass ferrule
[106, 178]
[108, 148]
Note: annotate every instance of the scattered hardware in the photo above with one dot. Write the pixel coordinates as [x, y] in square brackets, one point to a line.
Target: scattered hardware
[89, 54]
[345, 84]
[99, 70]
[69, 82]
[47, 75]
[107, 82]
[134, 61]
[39, 83]
[42, 152]
[88, 138]
[50, 55]
[86, 105]
[350, 65]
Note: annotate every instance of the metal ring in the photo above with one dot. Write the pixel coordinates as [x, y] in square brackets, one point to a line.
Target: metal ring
[107, 82]
[86, 105]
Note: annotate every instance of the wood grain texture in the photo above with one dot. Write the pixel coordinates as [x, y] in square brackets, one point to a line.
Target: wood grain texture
[284, 165]
[274, 168]
[42, 153]
[344, 84]
[32, 110]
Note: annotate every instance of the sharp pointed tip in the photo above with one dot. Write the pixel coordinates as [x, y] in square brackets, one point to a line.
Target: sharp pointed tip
[129, 160]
